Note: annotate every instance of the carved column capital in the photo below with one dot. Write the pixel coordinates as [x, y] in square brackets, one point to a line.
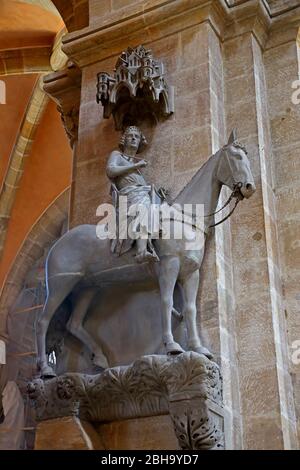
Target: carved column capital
[188, 387]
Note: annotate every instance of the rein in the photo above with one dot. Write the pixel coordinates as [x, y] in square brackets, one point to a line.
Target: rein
[227, 216]
[235, 194]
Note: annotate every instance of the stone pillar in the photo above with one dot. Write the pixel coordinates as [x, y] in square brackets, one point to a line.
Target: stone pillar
[282, 69]
[218, 286]
[152, 432]
[260, 325]
[67, 433]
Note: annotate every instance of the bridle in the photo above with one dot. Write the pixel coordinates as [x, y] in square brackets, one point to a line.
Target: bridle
[236, 193]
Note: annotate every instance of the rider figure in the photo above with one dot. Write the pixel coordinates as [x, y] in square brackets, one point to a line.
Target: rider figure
[123, 169]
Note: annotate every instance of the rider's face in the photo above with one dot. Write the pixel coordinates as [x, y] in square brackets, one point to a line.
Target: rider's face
[132, 140]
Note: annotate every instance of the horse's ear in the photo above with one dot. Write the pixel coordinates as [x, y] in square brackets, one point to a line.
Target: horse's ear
[232, 137]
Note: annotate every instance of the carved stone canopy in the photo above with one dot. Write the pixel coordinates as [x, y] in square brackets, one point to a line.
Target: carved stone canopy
[136, 91]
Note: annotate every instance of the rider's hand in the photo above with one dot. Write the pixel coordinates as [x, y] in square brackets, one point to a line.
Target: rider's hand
[141, 164]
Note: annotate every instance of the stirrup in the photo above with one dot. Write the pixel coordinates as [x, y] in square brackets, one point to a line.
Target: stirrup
[146, 256]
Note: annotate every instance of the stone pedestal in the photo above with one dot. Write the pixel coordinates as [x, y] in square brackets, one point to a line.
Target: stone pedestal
[150, 433]
[68, 433]
[157, 399]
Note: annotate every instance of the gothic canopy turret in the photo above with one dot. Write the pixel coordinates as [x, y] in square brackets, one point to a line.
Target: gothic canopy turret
[136, 90]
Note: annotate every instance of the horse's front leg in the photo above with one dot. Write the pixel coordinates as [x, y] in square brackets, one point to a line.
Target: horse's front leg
[190, 287]
[168, 273]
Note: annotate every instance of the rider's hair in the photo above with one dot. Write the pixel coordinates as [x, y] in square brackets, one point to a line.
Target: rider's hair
[143, 141]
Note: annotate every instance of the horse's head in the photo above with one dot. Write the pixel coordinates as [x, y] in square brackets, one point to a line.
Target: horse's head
[234, 167]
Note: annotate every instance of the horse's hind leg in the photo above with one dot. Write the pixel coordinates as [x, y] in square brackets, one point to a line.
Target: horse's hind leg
[75, 326]
[190, 289]
[58, 289]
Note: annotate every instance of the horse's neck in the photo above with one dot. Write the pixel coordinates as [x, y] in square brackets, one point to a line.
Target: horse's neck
[204, 187]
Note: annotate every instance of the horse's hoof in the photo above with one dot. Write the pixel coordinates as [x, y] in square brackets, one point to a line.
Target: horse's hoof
[46, 372]
[173, 348]
[98, 369]
[204, 351]
[100, 362]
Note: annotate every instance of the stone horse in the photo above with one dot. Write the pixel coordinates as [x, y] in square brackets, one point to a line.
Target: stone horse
[79, 259]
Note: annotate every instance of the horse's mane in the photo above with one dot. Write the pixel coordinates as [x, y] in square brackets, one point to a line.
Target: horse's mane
[196, 176]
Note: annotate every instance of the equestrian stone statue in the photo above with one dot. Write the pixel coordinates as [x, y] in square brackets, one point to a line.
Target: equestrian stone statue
[80, 259]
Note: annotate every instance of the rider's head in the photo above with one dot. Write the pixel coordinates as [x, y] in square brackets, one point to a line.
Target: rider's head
[134, 138]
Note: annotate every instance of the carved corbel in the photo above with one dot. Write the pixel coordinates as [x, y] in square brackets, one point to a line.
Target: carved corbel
[70, 120]
[64, 87]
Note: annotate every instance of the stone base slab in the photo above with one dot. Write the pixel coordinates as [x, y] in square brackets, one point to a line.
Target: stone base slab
[68, 433]
[152, 433]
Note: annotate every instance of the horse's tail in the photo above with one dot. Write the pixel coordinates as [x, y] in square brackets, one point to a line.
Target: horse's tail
[57, 329]
[61, 276]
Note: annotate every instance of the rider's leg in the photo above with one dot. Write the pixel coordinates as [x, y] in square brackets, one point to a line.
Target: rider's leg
[143, 254]
[141, 246]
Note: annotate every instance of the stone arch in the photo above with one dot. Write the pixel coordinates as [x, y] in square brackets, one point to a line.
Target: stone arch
[38, 241]
[75, 13]
[24, 285]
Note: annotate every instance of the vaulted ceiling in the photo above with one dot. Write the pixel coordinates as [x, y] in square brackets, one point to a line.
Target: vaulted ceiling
[24, 24]
[29, 31]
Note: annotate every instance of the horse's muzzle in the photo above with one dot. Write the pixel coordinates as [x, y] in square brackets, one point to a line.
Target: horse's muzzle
[248, 189]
